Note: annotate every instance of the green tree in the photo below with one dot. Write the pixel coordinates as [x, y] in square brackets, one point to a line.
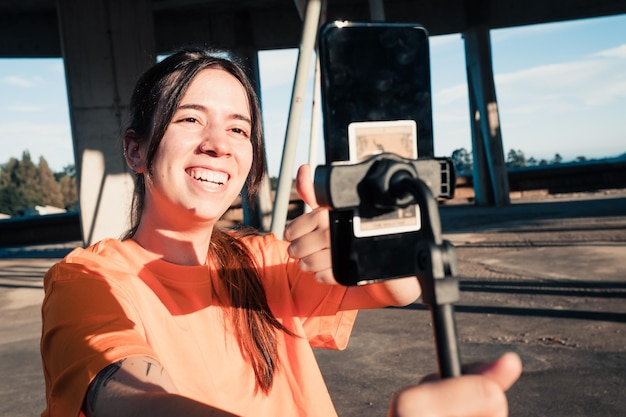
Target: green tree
[557, 159]
[273, 183]
[24, 185]
[67, 181]
[20, 185]
[10, 196]
[27, 179]
[462, 160]
[68, 170]
[50, 188]
[515, 159]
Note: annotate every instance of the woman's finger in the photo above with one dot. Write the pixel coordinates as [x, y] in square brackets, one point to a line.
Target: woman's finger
[315, 221]
[505, 370]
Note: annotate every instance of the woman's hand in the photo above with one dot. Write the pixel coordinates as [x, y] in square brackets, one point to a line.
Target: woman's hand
[309, 233]
[480, 392]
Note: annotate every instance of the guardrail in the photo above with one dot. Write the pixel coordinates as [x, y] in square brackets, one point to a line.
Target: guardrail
[569, 177]
[40, 230]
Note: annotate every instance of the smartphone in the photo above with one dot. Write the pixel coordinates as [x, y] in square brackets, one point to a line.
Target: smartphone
[376, 98]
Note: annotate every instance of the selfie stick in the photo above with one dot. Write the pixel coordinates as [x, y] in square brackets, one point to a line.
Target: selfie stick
[387, 181]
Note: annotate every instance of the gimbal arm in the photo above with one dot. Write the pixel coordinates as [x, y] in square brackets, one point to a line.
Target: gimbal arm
[437, 273]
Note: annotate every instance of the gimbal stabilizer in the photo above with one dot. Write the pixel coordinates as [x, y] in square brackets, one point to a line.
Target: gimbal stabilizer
[387, 182]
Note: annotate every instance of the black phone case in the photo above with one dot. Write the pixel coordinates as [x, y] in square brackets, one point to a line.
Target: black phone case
[372, 72]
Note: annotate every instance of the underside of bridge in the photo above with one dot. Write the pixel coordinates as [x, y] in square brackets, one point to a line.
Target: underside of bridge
[30, 28]
[106, 44]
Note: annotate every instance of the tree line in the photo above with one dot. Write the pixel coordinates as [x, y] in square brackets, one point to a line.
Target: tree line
[463, 160]
[24, 185]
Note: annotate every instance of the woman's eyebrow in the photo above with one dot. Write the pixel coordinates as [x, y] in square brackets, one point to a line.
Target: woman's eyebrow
[242, 118]
[200, 107]
[192, 107]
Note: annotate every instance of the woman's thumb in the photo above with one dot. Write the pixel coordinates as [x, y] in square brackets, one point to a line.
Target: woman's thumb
[305, 187]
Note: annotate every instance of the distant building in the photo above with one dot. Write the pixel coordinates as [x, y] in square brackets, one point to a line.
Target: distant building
[43, 210]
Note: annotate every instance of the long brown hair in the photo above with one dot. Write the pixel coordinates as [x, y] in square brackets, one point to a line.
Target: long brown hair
[155, 99]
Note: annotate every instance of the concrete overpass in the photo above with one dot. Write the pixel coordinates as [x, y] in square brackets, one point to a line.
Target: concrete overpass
[106, 44]
[30, 28]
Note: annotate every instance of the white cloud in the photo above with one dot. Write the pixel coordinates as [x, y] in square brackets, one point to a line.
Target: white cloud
[20, 81]
[618, 52]
[564, 87]
[24, 108]
[569, 108]
[451, 95]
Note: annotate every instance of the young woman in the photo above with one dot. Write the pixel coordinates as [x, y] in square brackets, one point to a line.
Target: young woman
[180, 317]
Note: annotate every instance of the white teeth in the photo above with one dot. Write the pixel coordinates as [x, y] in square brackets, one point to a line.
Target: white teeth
[208, 176]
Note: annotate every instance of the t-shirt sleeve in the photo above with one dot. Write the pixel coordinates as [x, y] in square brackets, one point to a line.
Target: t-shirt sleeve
[87, 324]
[316, 306]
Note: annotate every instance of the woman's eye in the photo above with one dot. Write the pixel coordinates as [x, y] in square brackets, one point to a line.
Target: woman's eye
[189, 120]
[240, 131]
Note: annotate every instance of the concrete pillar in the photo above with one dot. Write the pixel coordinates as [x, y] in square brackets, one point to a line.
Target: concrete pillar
[106, 45]
[257, 214]
[491, 183]
[312, 17]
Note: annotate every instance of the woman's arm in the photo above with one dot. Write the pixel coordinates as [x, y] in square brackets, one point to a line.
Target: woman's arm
[395, 292]
[140, 386]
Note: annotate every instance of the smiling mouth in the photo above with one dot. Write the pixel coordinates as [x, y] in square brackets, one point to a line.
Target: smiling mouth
[207, 176]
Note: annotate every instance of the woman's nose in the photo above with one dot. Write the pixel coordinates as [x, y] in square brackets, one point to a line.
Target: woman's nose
[215, 143]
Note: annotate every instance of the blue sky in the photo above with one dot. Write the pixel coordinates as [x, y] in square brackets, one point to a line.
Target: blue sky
[561, 88]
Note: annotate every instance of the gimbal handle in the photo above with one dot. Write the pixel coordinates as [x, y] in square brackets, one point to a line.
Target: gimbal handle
[437, 272]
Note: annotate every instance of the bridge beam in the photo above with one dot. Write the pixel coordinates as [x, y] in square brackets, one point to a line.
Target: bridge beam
[491, 183]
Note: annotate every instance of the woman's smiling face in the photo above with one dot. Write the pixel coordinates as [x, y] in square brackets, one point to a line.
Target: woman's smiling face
[205, 155]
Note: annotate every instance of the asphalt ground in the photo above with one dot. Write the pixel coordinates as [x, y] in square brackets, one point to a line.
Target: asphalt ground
[544, 277]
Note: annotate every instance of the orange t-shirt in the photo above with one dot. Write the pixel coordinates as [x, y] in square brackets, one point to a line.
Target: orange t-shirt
[109, 301]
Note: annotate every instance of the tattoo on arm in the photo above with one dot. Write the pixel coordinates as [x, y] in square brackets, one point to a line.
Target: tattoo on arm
[149, 367]
[101, 380]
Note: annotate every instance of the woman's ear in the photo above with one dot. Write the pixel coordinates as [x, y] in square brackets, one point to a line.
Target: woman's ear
[134, 153]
